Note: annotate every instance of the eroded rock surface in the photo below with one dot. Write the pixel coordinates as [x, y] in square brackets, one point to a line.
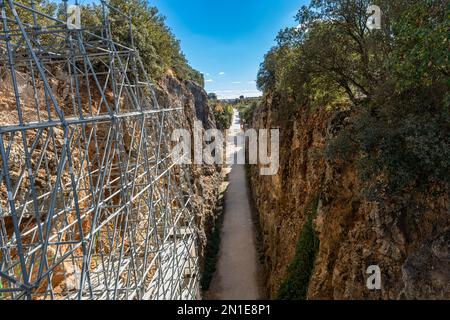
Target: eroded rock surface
[411, 247]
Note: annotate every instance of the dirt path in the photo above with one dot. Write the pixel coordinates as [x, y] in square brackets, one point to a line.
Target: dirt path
[238, 274]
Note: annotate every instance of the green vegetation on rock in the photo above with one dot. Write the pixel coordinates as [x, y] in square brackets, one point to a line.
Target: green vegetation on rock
[223, 114]
[157, 45]
[295, 286]
[395, 81]
[246, 108]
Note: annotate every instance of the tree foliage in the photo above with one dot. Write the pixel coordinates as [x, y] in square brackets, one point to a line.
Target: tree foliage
[396, 79]
[246, 109]
[212, 96]
[157, 45]
[223, 114]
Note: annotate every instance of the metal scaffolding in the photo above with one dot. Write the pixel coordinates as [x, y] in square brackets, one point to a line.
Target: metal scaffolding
[92, 205]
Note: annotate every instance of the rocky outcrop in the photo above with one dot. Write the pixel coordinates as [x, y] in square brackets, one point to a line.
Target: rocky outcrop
[170, 92]
[206, 179]
[411, 248]
[426, 272]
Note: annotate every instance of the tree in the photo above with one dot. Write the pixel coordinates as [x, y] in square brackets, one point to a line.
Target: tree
[395, 79]
[223, 114]
[157, 45]
[212, 96]
[420, 56]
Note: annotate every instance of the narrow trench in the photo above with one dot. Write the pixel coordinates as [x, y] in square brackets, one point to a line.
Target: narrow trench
[239, 275]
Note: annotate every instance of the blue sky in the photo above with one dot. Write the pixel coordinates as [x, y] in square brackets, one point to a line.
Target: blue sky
[227, 39]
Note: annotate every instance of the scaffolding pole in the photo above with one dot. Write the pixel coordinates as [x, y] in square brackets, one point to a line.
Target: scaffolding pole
[92, 203]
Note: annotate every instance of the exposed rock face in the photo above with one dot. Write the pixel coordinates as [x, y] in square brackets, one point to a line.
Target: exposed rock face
[173, 93]
[426, 272]
[412, 250]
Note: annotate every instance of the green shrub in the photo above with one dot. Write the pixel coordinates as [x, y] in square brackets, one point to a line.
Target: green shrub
[246, 111]
[406, 140]
[295, 286]
[400, 144]
[158, 47]
[395, 81]
[223, 115]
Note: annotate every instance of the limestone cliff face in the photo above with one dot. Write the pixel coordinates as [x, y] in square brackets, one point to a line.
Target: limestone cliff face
[206, 180]
[413, 254]
[170, 92]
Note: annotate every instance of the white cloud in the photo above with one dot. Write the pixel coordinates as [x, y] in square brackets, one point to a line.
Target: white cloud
[221, 73]
[236, 82]
[251, 82]
[209, 80]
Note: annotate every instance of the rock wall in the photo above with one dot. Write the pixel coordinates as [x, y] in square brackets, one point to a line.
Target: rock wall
[206, 179]
[171, 93]
[412, 253]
